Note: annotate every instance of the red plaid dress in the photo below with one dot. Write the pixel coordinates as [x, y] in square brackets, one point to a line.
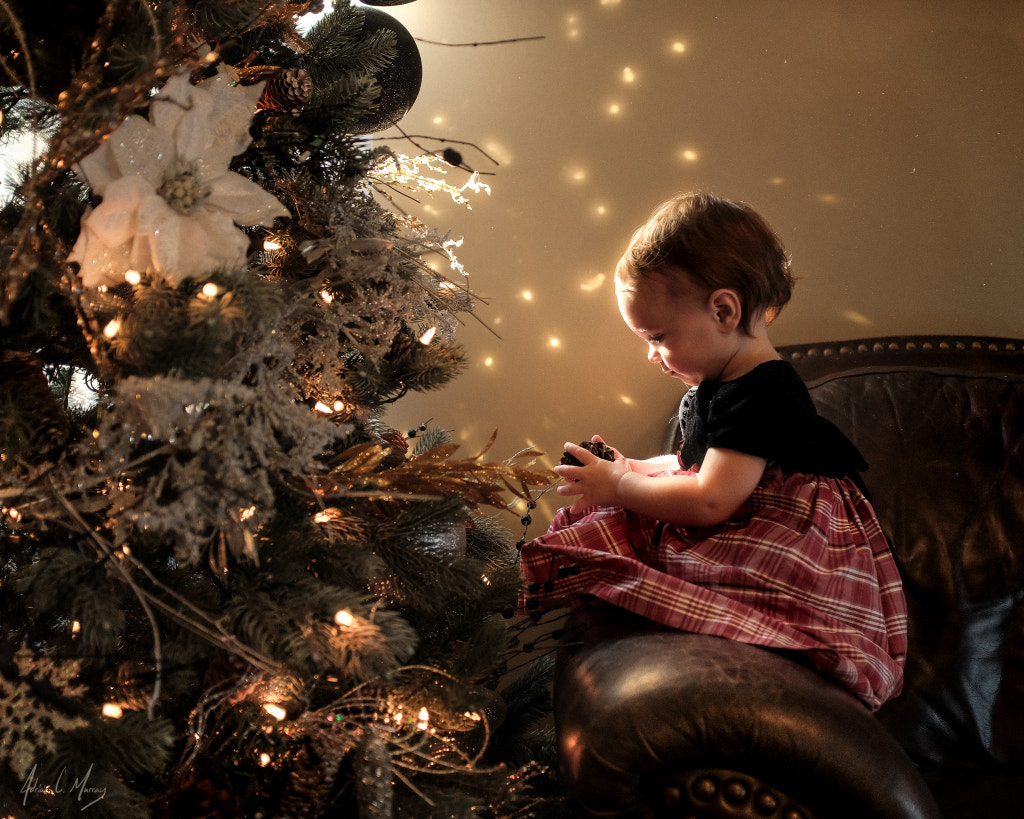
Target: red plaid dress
[802, 566]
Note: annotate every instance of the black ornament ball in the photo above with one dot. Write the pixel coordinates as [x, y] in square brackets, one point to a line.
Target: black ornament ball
[452, 157]
[399, 82]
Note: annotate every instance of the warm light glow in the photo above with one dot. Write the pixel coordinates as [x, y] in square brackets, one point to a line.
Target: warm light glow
[629, 402]
[424, 719]
[210, 290]
[614, 109]
[111, 329]
[323, 517]
[678, 47]
[601, 210]
[857, 318]
[320, 406]
[628, 75]
[689, 155]
[243, 514]
[554, 342]
[576, 174]
[344, 618]
[327, 296]
[276, 711]
[270, 245]
[133, 277]
[527, 295]
[428, 336]
[112, 710]
[593, 283]
[264, 759]
[488, 362]
[76, 627]
[339, 406]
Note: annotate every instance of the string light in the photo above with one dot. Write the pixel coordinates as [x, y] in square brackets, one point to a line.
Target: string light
[344, 618]
[133, 277]
[275, 710]
[112, 710]
[270, 245]
[424, 719]
[112, 327]
[428, 336]
[210, 290]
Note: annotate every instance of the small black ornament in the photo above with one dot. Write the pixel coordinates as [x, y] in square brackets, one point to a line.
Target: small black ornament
[399, 82]
[452, 157]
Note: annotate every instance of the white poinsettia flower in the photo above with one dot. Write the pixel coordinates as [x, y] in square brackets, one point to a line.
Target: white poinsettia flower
[170, 204]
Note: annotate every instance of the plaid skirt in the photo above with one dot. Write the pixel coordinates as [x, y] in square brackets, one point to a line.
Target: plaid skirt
[802, 566]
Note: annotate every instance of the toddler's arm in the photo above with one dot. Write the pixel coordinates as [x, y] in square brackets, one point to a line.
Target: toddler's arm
[657, 464]
[712, 496]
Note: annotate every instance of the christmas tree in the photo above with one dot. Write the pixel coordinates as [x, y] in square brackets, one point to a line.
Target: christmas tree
[229, 588]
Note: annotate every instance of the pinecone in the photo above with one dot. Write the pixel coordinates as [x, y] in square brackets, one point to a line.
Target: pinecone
[314, 769]
[286, 92]
[36, 422]
[599, 448]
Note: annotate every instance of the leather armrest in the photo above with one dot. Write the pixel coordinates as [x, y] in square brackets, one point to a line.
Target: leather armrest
[638, 708]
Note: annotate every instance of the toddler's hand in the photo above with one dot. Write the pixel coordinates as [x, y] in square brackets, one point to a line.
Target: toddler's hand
[595, 481]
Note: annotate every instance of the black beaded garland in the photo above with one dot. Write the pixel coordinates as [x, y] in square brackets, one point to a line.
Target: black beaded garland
[399, 82]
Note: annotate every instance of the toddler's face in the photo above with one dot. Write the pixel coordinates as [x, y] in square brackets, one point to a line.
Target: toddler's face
[679, 328]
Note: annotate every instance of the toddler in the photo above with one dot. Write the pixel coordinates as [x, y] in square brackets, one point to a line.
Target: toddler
[759, 529]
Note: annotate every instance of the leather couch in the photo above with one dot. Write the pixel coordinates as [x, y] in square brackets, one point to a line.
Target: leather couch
[655, 722]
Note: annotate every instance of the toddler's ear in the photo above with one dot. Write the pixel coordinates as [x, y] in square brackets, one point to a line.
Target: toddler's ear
[727, 308]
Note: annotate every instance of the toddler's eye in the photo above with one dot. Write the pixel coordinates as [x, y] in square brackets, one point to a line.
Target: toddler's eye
[657, 339]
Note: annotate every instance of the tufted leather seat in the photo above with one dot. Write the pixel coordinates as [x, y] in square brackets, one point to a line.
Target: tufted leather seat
[653, 722]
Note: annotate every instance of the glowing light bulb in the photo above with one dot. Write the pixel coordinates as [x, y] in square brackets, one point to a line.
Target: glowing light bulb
[275, 710]
[112, 710]
[322, 407]
[133, 277]
[112, 328]
[428, 336]
[210, 290]
[264, 759]
[270, 245]
[424, 719]
[344, 618]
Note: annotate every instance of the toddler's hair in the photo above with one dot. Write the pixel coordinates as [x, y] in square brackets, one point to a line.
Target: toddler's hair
[717, 244]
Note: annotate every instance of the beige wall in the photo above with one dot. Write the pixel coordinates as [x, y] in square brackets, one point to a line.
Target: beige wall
[883, 140]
